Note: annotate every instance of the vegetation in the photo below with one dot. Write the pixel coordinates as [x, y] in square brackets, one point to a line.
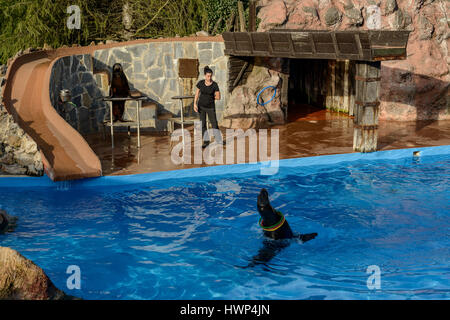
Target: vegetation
[33, 23]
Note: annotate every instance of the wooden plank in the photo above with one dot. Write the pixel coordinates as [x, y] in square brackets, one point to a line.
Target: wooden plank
[338, 88]
[335, 44]
[344, 37]
[388, 53]
[313, 45]
[299, 45]
[329, 90]
[239, 76]
[302, 47]
[243, 46]
[346, 100]
[270, 43]
[325, 48]
[351, 76]
[241, 36]
[388, 38]
[323, 37]
[348, 48]
[358, 45]
[291, 45]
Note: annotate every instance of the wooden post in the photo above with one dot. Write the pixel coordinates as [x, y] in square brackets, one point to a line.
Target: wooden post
[241, 16]
[216, 26]
[252, 16]
[236, 23]
[230, 21]
[367, 103]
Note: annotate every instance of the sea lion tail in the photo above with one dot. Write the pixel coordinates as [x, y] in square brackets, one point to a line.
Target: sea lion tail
[307, 236]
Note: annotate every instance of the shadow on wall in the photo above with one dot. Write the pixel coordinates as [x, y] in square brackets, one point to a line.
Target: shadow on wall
[88, 85]
[413, 97]
[103, 74]
[86, 109]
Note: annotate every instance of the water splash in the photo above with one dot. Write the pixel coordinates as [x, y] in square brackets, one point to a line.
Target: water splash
[63, 185]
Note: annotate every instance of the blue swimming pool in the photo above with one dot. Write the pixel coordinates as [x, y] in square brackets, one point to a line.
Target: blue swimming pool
[181, 235]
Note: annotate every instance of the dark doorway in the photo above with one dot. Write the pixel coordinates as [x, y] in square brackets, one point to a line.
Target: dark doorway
[307, 87]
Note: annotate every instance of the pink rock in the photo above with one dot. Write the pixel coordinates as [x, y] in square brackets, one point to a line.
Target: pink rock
[272, 15]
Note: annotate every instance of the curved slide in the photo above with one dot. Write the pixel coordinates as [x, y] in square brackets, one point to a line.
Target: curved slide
[65, 153]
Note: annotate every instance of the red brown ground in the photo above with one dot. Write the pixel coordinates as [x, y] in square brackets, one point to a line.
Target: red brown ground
[310, 132]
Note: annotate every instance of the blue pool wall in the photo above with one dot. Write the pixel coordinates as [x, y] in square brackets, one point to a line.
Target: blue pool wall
[220, 170]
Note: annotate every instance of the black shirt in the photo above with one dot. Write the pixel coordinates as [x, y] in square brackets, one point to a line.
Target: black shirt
[206, 99]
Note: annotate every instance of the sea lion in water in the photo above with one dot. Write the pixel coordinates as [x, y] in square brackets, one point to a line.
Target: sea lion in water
[119, 88]
[276, 228]
[7, 222]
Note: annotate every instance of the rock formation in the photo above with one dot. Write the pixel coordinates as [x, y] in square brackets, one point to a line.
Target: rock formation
[18, 152]
[21, 279]
[413, 89]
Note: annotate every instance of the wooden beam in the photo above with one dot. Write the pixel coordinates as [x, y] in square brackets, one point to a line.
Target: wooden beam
[214, 30]
[230, 21]
[241, 16]
[358, 45]
[313, 45]
[335, 44]
[238, 78]
[252, 16]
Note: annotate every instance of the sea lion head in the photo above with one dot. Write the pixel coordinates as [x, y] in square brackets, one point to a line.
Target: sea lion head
[3, 221]
[7, 223]
[264, 208]
[117, 67]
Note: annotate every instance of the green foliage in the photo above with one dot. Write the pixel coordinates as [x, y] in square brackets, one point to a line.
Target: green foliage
[33, 23]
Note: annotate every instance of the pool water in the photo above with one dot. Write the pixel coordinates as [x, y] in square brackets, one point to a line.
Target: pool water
[186, 238]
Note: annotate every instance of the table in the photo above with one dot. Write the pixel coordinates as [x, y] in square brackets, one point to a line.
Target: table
[182, 114]
[120, 124]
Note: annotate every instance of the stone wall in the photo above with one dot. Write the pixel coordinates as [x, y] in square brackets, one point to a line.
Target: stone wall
[18, 152]
[86, 110]
[152, 68]
[412, 89]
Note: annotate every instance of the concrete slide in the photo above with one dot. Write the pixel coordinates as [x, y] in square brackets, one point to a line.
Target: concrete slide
[26, 96]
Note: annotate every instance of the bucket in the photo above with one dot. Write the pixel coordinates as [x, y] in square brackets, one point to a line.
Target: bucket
[64, 95]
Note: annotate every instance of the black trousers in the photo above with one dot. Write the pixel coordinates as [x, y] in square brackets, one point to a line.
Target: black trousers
[212, 119]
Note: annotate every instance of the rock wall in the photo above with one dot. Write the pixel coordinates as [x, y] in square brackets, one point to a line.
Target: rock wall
[243, 111]
[18, 152]
[413, 89]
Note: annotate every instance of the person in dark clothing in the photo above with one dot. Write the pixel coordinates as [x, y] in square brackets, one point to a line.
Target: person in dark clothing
[119, 88]
[204, 102]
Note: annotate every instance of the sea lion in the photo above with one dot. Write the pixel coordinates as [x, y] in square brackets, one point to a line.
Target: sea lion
[276, 228]
[7, 222]
[119, 88]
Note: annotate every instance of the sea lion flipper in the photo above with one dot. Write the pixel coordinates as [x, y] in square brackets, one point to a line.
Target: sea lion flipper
[307, 236]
